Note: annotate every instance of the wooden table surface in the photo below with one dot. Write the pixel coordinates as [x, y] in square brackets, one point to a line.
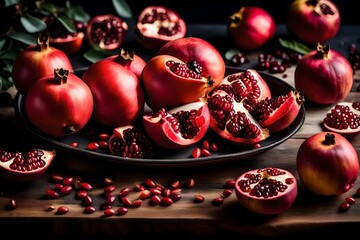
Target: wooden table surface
[309, 215]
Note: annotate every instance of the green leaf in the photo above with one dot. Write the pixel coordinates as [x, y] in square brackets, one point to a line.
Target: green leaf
[230, 53]
[50, 8]
[295, 46]
[95, 55]
[2, 43]
[11, 2]
[67, 23]
[22, 37]
[10, 55]
[78, 13]
[32, 24]
[122, 8]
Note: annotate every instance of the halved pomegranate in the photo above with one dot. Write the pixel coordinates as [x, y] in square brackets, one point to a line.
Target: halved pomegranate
[25, 166]
[129, 142]
[279, 112]
[158, 25]
[266, 191]
[170, 82]
[180, 127]
[343, 118]
[106, 32]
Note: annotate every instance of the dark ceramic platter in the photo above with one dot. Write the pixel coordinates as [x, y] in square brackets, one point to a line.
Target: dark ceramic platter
[179, 158]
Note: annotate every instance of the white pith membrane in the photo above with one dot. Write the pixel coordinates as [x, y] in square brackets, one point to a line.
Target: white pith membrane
[266, 183]
[337, 123]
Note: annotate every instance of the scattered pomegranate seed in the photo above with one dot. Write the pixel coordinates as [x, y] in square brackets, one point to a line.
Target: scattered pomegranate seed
[344, 206]
[109, 189]
[150, 183]
[226, 193]
[213, 147]
[166, 201]
[110, 200]
[175, 197]
[124, 192]
[81, 194]
[205, 152]
[136, 203]
[50, 193]
[108, 181]
[104, 136]
[122, 210]
[175, 184]
[199, 199]
[87, 201]
[12, 204]
[50, 208]
[144, 194]
[68, 181]
[230, 183]
[126, 201]
[205, 144]
[74, 144]
[89, 209]
[350, 200]
[92, 146]
[66, 190]
[62, 210]
[217, 201]
[57, 178]
[103, 144]
[190, 183]
[86, 186]
[155, 200]
[109, 212]
[196, 153]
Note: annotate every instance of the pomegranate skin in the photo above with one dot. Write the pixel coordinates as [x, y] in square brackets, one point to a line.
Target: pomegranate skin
[306, 21]
[327, 169]
[323, 77]
[192, 48]
[251, 28]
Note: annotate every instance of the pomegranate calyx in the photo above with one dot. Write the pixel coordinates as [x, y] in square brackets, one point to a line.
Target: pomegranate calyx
[43, 42]
[323, 49]
[61, 75]
[329, 139]
[126, 56]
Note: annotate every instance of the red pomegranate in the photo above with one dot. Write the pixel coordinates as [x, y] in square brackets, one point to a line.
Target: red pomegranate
[169, 82]
[251, 28]
[157, 25]
[106, 32]
[179, 127]
[190, 49]
[37, 61]
[59, 104]
[327, 164]
[117, 92]
[25, 166]
[313, 21]
[344, 119]
[266, 191]
[323, 76]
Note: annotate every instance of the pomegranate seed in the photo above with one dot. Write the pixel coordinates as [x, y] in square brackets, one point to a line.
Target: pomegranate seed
[175, 197]
[177, 190]
[205, 144]
[139, 187]
[109, 189]
[109, 212]
[205, 152]
[213, 147]
[136, 203]
[190, 183]
[62, 210]
[166, 192]
[57, 178]
[124, 192]
[199, 199]
[50, 208]
[110, 200]
[103, 144]
[108, 181]
[104, 136]
[166, 201]
[81, 194]
[68, 181]
[92, 146]
[175, 184]
[122, 210]
[104, 206]
[87, 201]
[58, 186]
[256, 146]
[155, 191]
[52, 194]
[344, 206]
[217, 201]
[89, 209]
[350, 200]
[66, 190]
[77, 182]
[12, 204]
[86, 186]
[230, 183]
[196, 153]
[150, 183]
[74, 144]
[226, 193]
[155, 200]
[126, 201]
[144, 194]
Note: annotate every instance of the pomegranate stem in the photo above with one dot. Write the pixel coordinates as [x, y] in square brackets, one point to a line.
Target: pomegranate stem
[329, 139]
[323, 49]
[61, 75]
[43, 42]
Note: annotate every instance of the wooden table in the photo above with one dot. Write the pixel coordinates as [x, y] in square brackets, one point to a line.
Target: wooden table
[310, 215]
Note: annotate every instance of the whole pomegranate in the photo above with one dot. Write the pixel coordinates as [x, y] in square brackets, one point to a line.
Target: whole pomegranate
[343, 118]
[179, 127]
[266, 191]
[193, 49]
[23, 166]
[251, 28]
[327, 164]
[157, 25]
[323, 76]
[169, 82]
[37, 61]
[106, 32]
[117, 92]
[313, 21]
[59, 104]
[228, 105]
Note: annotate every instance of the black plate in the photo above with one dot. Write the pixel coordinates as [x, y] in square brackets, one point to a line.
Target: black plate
[179, 158]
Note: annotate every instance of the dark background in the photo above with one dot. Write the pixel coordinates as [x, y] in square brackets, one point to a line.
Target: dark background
[217, 11]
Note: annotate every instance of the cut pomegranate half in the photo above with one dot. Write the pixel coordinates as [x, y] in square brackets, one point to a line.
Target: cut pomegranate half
[343, 118]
